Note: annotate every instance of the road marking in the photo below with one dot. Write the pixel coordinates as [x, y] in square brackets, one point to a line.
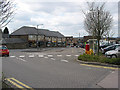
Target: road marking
[18, 84]
[40, 55]
[76, 55]
[21, 59]
[98, 66]
[22, 56]
[12, 56]
[59, 55]
[15, 84]
[68, 55]
[50, 55]
[64, 60]
[52, 58]
[31, 56]
[45, 57]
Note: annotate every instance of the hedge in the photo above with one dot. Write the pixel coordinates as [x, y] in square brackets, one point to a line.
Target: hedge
[101, 59]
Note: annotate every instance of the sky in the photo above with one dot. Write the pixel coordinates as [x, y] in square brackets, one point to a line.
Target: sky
[57, 15]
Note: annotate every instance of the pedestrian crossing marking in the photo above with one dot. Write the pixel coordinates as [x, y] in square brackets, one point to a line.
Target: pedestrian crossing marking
[64, 60]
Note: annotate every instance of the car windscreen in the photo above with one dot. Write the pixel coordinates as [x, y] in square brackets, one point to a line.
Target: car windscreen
[3, 47]
[110, 46]
[117, 46]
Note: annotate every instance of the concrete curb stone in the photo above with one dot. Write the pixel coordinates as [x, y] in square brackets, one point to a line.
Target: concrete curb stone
[98, 63]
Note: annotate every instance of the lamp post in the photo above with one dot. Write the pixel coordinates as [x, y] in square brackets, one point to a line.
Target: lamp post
[37, 35]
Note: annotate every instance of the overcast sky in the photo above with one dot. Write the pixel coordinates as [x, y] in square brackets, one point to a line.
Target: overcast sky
[65, 17]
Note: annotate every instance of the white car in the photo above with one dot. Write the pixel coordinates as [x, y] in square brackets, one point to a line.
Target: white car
[113, 53]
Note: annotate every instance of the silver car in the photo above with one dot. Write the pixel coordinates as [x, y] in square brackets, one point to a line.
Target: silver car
[113, 53]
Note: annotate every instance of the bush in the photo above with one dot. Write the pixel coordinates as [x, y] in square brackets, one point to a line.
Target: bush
[101, 59]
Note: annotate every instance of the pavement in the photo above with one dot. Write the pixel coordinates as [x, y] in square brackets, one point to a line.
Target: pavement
[55, 68]
[110, 81]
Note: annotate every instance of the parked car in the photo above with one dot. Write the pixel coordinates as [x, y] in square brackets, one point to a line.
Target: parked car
[4, 51]
[81, 45]
[112, 47]
[113, 53]
[105, 45]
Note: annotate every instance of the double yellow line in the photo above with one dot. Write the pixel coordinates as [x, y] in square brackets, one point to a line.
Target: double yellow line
[99, 66]
[18, 84]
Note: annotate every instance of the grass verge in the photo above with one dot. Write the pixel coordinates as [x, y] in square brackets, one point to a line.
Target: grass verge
[101, 59]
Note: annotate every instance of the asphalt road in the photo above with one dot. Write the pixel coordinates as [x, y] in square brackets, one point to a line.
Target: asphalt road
[52, 68]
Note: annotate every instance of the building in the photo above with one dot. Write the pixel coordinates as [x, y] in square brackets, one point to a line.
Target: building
[15, 43]
[42, 37]
[69, 40]
[11, 43]
[85, 38]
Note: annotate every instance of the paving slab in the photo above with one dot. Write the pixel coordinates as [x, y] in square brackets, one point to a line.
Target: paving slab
[110, 81]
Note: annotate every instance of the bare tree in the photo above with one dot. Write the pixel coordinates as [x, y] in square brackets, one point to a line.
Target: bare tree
[97, 21]
[6, 12]
[109, 34]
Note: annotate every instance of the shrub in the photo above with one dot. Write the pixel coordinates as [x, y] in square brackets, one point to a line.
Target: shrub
[101, 59]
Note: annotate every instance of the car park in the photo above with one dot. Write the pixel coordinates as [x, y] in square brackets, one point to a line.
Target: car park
[112, 47]
[105, 45]
[113, 53]
[4, 51]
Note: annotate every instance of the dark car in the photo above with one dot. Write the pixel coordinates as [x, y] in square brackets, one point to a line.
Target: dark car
[105, 45]
[4, 51]
[112, 47]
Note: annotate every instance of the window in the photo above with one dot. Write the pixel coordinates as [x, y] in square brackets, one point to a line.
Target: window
[3, 47]
[32, 37]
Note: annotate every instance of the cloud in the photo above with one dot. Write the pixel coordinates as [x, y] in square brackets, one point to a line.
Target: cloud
[66, 17]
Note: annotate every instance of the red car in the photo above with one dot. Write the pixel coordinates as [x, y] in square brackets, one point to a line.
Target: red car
[4, 51]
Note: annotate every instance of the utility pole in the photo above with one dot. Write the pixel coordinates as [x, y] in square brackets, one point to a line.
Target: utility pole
[37, 36]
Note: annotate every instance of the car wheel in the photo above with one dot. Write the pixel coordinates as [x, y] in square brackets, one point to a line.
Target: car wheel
[114, 56]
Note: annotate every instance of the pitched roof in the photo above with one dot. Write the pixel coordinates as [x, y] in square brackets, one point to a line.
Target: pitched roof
[32, 30]
[25, 31]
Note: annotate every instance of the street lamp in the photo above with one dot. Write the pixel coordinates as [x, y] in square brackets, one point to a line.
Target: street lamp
[37, 35]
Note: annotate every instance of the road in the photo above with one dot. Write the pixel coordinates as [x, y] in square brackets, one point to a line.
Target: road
[52, 68]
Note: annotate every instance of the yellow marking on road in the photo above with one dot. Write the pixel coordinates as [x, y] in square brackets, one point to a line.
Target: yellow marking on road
[10, 80]
[15, 84]
[98, 66]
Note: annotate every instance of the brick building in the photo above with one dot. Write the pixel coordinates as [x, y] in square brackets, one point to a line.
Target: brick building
[44, 37]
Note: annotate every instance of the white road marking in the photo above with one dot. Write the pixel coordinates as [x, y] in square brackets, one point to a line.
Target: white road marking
[52, 58]
[64, 60]
[40, 55]
[22, 56]
[89, 68]
[59, 55]
[45, 57]
[112, 71]
[50, 55]
[21, 59]
[12, 56]
[31, 56]
[76, 55]
[68, 55]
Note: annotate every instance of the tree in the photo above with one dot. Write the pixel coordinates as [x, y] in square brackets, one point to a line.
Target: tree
[6, 12]
[109, 34]
[6, 31]
[97, 21]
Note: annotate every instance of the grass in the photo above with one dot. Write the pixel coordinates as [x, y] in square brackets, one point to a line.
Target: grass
[101, 58]
[4, 85]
